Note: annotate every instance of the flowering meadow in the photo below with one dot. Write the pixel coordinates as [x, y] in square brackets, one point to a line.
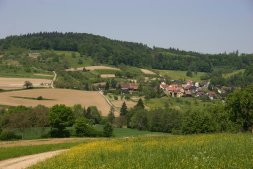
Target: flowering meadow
[208, 151]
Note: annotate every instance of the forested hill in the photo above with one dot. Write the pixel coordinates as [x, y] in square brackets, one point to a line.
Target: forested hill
[114, 52]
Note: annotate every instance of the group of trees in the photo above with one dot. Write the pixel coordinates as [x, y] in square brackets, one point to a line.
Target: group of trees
[106, 51]
[241, 79]
[233, 116]
[63, 121]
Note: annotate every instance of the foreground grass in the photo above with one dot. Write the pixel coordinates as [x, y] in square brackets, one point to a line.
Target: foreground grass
[195, 151]
[17, 151]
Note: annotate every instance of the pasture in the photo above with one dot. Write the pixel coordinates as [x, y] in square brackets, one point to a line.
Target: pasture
[55, 96]
[17, 83]
[181, 75]
[208, 151]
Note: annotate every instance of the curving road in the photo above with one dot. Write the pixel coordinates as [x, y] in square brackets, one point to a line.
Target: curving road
[27, 161]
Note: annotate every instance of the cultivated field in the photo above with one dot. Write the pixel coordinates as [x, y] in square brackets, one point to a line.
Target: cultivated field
[17, 83]
[193, 151]
[100, 68]
[91, 68]
[118, 103]
[55, 96]
[107, 75]
[148, 72]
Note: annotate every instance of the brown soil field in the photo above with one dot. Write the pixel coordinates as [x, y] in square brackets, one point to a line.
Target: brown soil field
[118, 103]
[74, 69]
[90, 68]
[17, 83]
[100, 68]
[58, 96]
[148, 72]
[107, 75]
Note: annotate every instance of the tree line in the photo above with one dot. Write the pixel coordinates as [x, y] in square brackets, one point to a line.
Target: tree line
[114, 52]
[62, 120]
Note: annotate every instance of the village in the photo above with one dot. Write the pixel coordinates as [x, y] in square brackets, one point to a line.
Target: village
[179, 89]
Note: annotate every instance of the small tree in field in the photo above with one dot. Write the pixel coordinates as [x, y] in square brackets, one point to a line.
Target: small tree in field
[139, 105]
[123, 109]
[28, 85]
[111, 116]
[108, 130]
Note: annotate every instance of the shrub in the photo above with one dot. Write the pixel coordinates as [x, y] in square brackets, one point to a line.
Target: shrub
[55, 132]
[40, 98]
[127, 97]
[115, 97]
[108, 130]
[9, 135]
[83, 128]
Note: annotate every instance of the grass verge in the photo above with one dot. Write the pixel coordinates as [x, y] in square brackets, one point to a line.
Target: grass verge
[17, 151]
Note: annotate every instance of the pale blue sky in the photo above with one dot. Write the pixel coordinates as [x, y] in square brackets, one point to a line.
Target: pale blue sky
[199, 25]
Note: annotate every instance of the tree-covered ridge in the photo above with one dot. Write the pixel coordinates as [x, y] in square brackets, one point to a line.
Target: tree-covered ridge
[114, 52]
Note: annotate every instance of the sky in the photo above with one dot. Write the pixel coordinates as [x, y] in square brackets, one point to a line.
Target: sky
[206, 26]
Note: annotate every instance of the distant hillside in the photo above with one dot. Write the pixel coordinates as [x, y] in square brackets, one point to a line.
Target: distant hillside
[114, 52]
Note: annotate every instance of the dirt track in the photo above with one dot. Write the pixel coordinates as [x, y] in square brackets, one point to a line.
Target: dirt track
[27, 161]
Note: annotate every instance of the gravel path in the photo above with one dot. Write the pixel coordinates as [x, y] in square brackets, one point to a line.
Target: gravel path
[27, 161]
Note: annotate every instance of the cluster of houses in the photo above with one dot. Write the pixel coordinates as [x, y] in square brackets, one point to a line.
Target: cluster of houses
[128, 87]
[188, 89]
[180, 89]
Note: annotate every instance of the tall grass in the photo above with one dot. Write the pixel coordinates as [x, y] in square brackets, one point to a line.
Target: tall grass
[195, 151]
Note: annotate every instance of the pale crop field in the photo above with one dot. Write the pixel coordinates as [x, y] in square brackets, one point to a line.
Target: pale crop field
[147, 72]
[91, 68]
[100, 68]
[55, 96]
[17, 83]
[107, 76]
[210, 151]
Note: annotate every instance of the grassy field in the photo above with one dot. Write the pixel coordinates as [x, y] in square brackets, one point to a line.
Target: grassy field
[17, 151]
[26, 75]
[227, 75]
[127, 132]
[193, 151]
[180, 104]
[180, 75]
[73, 59]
